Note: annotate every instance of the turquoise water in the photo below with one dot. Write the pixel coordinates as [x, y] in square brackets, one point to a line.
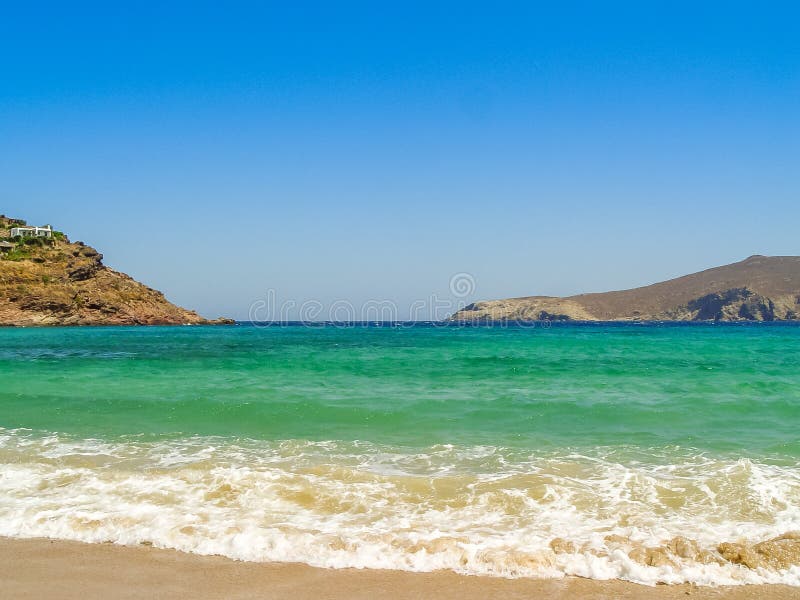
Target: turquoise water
[455, 438]
[726, 389]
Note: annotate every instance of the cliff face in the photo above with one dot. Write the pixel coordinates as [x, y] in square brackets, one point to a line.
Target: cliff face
[52, 281]
[760, 288]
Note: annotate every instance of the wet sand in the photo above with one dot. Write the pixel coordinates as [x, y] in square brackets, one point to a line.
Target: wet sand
[60, 570]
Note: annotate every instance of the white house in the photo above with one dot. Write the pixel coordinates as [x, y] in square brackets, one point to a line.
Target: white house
[45, 231]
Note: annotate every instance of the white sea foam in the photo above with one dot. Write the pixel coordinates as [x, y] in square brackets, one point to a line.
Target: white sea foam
[479, 510]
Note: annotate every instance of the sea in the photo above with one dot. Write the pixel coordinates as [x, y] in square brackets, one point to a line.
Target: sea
[650, 452]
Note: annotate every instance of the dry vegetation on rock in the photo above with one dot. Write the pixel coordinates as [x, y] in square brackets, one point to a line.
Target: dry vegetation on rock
[52, 281]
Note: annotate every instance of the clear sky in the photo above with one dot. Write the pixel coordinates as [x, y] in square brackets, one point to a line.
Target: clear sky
[359, 151]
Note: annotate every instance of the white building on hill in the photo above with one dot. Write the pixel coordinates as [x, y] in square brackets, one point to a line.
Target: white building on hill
[45, 231]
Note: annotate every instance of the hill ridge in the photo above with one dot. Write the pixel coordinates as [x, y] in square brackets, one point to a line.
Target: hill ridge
[758, 288]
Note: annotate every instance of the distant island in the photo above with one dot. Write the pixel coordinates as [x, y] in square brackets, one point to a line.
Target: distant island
[759, 288]
[45, 279]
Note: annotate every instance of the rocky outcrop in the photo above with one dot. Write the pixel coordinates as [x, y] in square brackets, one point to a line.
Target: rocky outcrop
[536, 308]
[56, 282]
[732, 305]
[760, 288]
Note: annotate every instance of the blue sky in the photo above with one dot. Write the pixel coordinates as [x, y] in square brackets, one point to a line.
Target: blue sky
[356, 151]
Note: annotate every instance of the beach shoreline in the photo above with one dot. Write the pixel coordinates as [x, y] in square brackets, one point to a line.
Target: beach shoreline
[66, 570]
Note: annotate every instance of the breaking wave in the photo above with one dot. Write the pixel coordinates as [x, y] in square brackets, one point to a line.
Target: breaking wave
[668, 515]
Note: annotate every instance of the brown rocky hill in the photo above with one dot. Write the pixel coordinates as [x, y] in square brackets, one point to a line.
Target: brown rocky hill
[759, 288]
[52, 281]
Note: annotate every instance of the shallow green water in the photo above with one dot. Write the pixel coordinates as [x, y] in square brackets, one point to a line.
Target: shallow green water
[721, 388]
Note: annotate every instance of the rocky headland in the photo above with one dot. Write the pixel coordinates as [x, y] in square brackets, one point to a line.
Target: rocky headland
[50, 280]
[759, 288]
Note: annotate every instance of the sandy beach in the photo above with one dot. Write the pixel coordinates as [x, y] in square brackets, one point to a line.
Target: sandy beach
[62, 570]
